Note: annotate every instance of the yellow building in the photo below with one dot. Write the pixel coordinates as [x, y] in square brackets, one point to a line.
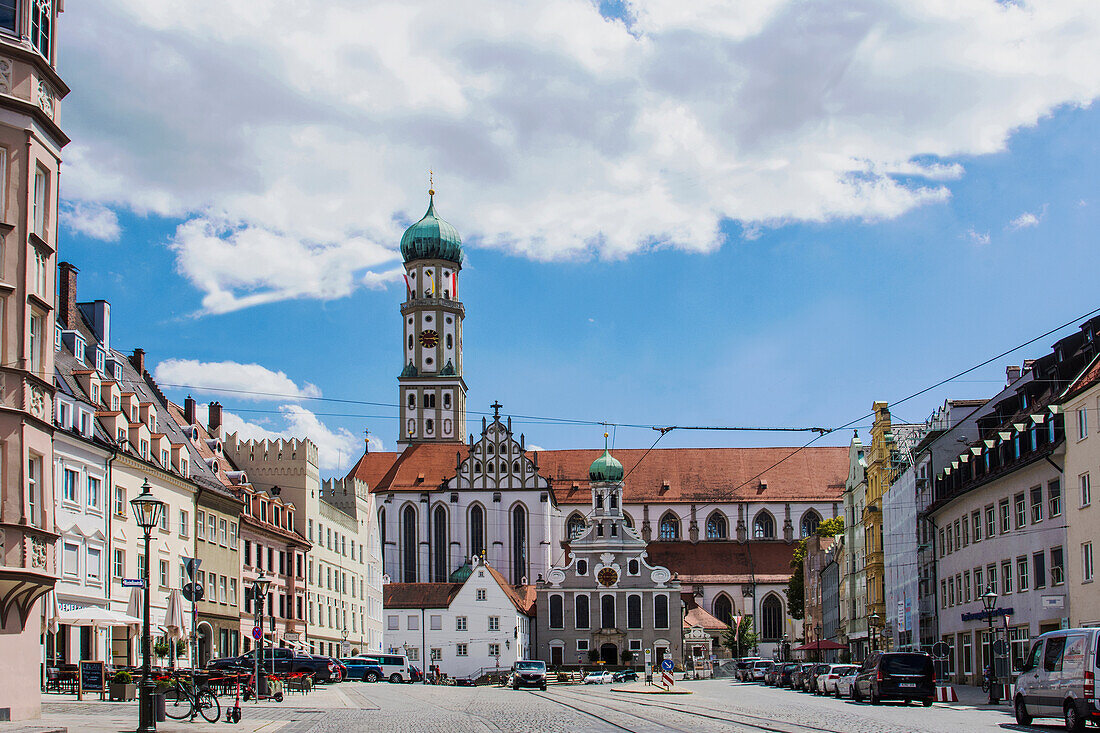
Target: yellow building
[878, 481]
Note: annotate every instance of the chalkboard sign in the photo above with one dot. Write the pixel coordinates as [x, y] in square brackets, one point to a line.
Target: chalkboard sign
[91, 676]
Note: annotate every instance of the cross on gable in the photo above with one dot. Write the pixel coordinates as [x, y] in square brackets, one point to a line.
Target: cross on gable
[496, 409]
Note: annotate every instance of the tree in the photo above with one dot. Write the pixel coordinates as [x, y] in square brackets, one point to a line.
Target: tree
[627, 655]
[831, 527]
[741, 640]
[796, 589]
[593, 654]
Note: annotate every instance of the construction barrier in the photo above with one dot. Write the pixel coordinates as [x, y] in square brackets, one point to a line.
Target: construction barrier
[946, 693]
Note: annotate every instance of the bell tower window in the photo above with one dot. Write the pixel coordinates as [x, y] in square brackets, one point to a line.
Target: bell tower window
[429, 426]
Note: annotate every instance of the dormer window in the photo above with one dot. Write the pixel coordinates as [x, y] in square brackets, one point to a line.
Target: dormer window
[115, 403]
[183, 468]
[100, 359]
[95, 393]
[57, 339]
[152, 422]
[164, 459]
[133, 413]
[78, 349]
[85, 424]
[62, 414]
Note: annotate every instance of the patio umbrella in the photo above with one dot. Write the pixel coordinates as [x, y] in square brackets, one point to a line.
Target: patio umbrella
[97, 617]
[174, 620]
[133, 608]
[53, 613]
[814, 646]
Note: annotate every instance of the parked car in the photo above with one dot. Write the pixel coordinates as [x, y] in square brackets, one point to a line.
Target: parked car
[759, 669]
[744, 666]
[783, 679]
[626, 675]
[529, 673]
[415, 675]
[598, 677]
[278, 660]
[361, 669]
[1058, 679]
[798, 677]
[844, 683]
[771, 677]
[395, 667]
[809, 681]
[339, 671]
[901, 676]
[826, 681]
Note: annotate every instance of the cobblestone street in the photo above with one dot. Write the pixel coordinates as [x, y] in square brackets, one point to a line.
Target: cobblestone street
[715, 705]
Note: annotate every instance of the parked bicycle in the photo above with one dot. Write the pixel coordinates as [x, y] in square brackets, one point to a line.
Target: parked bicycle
[987, 679]
[182, 701]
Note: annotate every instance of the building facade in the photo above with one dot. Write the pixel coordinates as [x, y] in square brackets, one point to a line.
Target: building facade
[1081, 406]
[30, 162]
[853, 592]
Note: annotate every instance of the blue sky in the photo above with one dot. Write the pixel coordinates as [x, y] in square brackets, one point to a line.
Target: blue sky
[806, 303]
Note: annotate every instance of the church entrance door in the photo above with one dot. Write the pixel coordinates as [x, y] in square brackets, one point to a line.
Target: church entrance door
[609, 654]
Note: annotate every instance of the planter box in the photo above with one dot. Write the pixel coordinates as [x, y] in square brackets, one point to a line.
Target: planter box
[124, 691]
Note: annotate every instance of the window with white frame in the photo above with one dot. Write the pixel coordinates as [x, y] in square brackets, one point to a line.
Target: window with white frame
[41, 26]
[69, 491]
[460, 650]
[582, 645]
[92, 498]
[1082, 423]
[70, 560]
[481, 596]
[35, 353]
[460, 623]
[34, 489]
[119, 570]
[1085, 485]
[494, 623]
[164, 583]
[494, 650]
[185, 523]
[1086, 562]
[39, 202]
[95, 564]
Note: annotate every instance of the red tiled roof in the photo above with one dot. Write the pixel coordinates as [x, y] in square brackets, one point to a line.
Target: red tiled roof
[521, 596]
[664, 476]
[768, 561]
[698, 617]
[1089, 377]
[419, 595]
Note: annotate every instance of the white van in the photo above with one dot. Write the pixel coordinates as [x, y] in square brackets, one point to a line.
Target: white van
[1058, 679]
[395, 667]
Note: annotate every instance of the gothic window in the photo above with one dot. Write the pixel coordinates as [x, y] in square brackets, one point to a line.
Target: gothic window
[575, 526]
[810, 520]
[41, 17]
[519, 544]
[489, 449]
[716, 527]
[763, 527]
[557, 612]
[477, 529]
[408, 545]
[669, 529]
[660, 611]
[515, 466]
[503, 467]
[723, 609]
[607, 611]
[772, 611]
[633, 612]
[439, 545]
[582, 611]
[382, 535]
[477, 466]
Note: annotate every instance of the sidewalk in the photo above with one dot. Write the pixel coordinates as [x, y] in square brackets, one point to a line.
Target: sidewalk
[973, 697]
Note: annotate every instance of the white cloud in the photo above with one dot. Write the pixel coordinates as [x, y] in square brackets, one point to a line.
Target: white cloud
[92, 220]
[532, 448]
[243, 381]
[294, 137]
[1027, 219]
[977, 237]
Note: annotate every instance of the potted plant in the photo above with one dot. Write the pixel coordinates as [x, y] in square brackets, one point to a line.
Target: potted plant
[122, 686]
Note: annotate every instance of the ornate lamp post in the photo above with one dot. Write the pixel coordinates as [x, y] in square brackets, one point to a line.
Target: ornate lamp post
[259, 593]
[872, 621]
[786, 647]
[817, 638]
[989, 601]
[147, 510]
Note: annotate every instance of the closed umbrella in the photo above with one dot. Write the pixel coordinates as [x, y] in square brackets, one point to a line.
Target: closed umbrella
[53, 613]
[174, 620]
[133, 608]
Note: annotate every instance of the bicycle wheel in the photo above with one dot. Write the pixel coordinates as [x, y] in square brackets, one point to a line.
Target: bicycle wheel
[209, 707]
[177, 702]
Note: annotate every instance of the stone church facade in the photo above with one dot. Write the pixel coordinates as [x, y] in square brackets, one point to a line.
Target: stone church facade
[722, 520]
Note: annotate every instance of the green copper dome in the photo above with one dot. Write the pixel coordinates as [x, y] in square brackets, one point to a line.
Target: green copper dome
[431, 238]
[606, 467]
[461, 574]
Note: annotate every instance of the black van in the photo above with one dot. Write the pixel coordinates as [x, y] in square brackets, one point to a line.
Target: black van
[904, 676]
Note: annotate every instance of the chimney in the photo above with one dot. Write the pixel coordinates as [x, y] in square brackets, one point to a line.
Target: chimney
[214, 422]
[66, 295]
[1028, 363]
[189, 410]
[138, 360]
[1012, 373]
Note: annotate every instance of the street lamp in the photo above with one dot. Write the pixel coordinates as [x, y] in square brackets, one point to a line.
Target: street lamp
[147, 510]
[989, 601]
[873, 620]
[786, 647]
[259, 593]
[817, 638]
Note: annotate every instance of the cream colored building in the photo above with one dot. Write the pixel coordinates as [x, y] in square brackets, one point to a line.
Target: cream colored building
[30, 163]
[1081, 405]
[344, 568]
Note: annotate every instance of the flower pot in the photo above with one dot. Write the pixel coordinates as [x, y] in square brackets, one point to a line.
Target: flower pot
[124, 691]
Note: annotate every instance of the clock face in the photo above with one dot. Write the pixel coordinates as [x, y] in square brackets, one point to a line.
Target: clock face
[429, 338]
[607, 576]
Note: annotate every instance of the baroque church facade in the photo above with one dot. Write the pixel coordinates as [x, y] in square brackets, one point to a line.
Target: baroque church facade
[723, 521]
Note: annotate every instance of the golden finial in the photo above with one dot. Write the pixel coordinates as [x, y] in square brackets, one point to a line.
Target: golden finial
[431, 183]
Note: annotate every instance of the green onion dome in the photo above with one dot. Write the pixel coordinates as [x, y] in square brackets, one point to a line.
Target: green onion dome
[431, 238]
[606, 467]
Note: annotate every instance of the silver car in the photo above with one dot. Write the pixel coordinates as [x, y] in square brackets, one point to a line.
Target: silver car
[842, 687]
[826, 681]
[1058, 679]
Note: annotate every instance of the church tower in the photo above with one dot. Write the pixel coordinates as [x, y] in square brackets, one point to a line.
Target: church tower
[433, 394]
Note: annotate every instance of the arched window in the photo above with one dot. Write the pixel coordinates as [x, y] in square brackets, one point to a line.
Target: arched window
[763, 527]
[519, 544]
[772, 611]
[412, 401]
[439, 545]
[660, 611]
[581, 602]
[574, 527]
[810, 521]
[447, 401]
[410, 341]
[450, 341]
[557, 612]
[607, 611]
[599, 501]
[634, 611]
[477, 530]
[723, 609]
[669, 528]
[408, 544]
[633, 567]
[613, 500]
[382, 535]
[716, 527]
[429, 426]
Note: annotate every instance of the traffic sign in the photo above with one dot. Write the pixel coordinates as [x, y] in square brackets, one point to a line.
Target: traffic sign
[666, 665]
[191, 564]
[193, 592]
[1000, 648]
[133, 582]
[345, 649]
[257, 632]
[290, 636]
[940, 650]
